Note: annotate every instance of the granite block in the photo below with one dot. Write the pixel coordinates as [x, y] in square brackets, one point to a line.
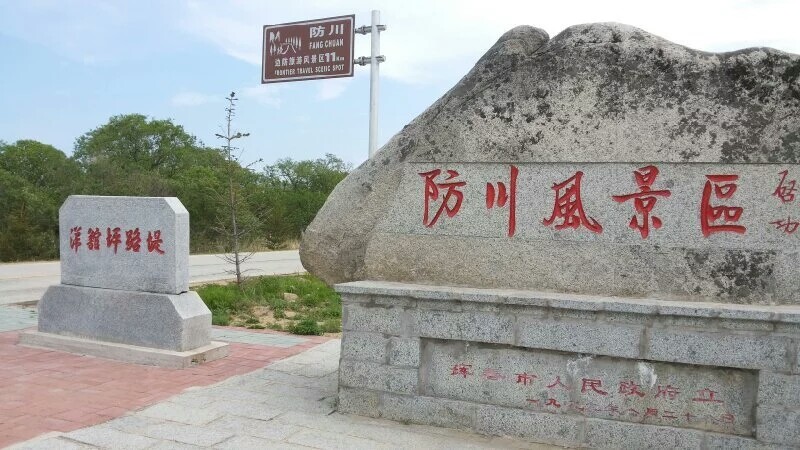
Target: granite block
[126, 243]
[163, 321]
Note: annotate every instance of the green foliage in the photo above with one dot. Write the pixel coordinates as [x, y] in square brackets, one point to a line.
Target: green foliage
[294, 192]
[135, 155]
[306, 327]
[317, 309]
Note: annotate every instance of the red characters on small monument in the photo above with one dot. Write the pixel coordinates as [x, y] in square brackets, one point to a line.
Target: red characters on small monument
[644, 201]
[93, 242]
[568, 207]
[786, 189]
[594, 385]
[154, 242]
[501, 196]
[557, 383]
[706, 395]
[133, 240]
[75, 238]
[525, 378]
[113, 238]
[630, 388]
[491, 374]
[451, 192]
[552, 402]
[462, 370]
[669, 391]
[722, 187]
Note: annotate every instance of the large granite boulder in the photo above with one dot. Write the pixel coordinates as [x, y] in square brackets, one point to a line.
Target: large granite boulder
[604, 100]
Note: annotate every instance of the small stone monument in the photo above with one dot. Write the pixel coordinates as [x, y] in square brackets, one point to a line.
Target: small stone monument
[124, 291]
[589, 241]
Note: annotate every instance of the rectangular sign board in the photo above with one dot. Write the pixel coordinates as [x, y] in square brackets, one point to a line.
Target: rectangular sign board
[308, 50]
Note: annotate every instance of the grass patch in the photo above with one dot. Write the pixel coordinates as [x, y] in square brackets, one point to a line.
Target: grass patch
[300, 304]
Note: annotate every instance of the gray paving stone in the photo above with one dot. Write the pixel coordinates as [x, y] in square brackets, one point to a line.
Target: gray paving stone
[254, 443]
[275, 340]
[54, 443]
[133, 423]
[180, 413]
[237, 408]
[172, 445]
[202, 436]
[264, 429]
[108, 437]
[325, 440]
[323, 368]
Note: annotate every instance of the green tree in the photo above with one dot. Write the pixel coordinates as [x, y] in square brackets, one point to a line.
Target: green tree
[43, 166]
[294, 191]
[28, 220]
[134, 155]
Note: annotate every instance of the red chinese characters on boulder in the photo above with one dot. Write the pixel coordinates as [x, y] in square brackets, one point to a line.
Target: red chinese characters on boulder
[644, 201]
[501, 196]
[568, 207]
[785, 190]
[787, 225]
[722, 187]
[432, 191]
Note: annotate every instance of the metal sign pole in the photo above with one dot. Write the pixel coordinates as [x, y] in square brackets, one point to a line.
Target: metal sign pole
[374, 61]
[375, 38]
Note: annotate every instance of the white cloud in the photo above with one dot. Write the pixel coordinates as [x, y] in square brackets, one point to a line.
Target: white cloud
[192, 99]
[266, 94]
[433, 41]
[332, 88]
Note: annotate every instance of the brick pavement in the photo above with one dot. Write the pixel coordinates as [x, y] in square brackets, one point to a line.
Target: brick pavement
[290, 404]
[43, 391]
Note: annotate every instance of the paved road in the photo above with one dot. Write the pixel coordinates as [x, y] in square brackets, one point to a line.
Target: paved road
[26, 282]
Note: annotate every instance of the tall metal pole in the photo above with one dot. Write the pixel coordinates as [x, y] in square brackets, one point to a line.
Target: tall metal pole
[375, 39]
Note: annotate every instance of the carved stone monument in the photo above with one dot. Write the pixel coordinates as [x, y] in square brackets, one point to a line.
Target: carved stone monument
[590, 240]
[124, 291]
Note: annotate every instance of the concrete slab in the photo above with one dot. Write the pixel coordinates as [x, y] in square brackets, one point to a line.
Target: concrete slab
[124, 352]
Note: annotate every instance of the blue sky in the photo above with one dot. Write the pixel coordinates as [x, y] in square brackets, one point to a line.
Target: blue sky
[68, 65]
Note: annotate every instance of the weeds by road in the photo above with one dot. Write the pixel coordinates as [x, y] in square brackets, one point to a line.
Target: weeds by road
[299, 304]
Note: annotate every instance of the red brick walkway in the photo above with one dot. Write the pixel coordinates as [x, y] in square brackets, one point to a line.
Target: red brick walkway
[43, 390]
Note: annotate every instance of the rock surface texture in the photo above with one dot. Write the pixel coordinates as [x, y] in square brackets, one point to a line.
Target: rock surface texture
[607, 96]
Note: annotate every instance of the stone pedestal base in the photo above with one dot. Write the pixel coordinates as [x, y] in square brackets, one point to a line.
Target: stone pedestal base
[141, 327]
[178, 323]
[572, 370]
[126, 353]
